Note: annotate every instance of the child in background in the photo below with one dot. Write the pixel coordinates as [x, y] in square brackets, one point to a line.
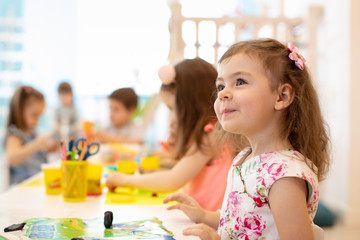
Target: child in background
[66, 115]
[265, 93]
[201, 171]
[25, 150]
[123, 103]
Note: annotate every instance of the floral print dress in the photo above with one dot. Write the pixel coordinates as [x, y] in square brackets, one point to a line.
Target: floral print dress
[245, 212]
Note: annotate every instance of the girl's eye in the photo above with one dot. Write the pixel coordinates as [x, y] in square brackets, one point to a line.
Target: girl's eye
[240, 82]
[220, 87]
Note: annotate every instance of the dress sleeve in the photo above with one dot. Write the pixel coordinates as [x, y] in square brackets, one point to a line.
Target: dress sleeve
[13, 130]
[275, 169]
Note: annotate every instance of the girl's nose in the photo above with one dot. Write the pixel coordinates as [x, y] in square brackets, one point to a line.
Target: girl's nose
[225, 95]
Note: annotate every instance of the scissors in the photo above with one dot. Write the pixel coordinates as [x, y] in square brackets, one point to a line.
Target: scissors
[92, 148]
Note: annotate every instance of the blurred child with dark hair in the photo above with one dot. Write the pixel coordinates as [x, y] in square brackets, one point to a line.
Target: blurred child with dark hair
[66, 115]
[123, 103]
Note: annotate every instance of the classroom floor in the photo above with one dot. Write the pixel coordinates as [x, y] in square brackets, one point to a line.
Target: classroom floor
[340, 231]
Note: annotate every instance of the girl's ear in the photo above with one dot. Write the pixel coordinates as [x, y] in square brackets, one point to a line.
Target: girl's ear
[285, 97]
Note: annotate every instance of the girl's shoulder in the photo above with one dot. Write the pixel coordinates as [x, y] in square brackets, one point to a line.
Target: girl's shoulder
[287, 163]
[291, 160]
[14, 130]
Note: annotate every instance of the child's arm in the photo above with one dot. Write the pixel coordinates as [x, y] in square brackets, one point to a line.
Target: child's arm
[17, 152]
[163, 181]
[108, 138]
[287, 200]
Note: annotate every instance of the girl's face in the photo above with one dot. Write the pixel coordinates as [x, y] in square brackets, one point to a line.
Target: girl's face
[168, 98]
[32, 113]
[119, 114]
[245, 100]
[66, 99]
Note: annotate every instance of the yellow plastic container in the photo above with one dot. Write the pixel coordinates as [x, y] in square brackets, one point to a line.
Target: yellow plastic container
[74, 180]
[52, 179]
[150, 163]
[128, 167]
[94, 172]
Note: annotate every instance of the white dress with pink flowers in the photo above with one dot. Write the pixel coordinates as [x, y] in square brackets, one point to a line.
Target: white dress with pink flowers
[245, 212]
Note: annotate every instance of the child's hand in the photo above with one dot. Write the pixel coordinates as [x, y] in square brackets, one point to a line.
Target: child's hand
[43, 142]
[52, 146]
[186, 204]
[102, 137]
[116, 179]
[203, 231]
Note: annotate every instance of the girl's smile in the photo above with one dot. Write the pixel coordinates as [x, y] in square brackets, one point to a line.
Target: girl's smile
[227, 111]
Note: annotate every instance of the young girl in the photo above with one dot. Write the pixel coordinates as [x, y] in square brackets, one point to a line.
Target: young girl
[24, 150]
[188, 91]
[265, 94]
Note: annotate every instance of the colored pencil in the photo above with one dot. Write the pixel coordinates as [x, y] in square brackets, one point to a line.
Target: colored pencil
[83, 151]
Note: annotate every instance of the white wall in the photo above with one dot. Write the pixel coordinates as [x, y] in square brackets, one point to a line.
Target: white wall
[121, 44]
[353, 208]
[50, 44]
[339, 39]
[334, 88]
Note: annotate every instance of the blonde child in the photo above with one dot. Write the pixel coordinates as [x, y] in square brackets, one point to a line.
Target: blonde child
[122, 103]
[265, 94]
[66, 115]
[25, 150]
[187, 90]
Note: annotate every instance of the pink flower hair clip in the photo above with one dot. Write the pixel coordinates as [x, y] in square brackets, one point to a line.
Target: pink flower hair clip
[167, 74]
[27, 89]
[296, 56]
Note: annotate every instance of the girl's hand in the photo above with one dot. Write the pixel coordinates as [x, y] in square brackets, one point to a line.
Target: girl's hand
[52, 146]
[116, 179]
[42, 142]
[102, 137]
[186, 204]
[203, 231]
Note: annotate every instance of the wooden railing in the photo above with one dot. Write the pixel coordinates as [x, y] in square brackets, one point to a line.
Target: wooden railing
[300, 31]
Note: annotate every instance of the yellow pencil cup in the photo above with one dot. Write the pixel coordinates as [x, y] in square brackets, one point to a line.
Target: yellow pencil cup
[52, 179]
[74, 180]
[127, 166]
[94, 179]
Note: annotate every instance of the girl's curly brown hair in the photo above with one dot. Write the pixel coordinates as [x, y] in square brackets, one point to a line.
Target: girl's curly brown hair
[304, 124]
